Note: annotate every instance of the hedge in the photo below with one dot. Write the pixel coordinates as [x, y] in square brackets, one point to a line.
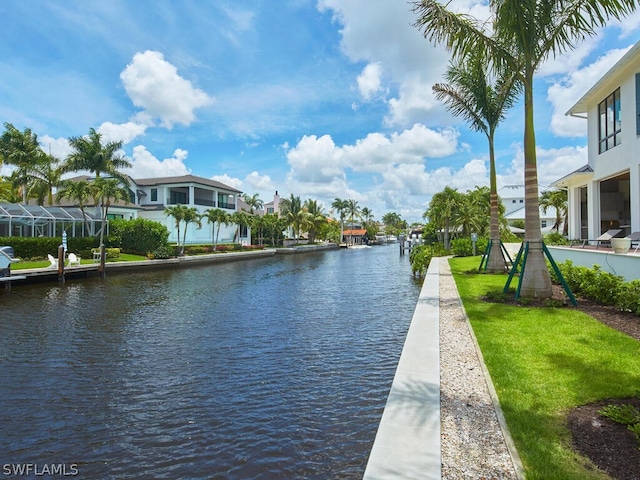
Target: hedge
[40, 247]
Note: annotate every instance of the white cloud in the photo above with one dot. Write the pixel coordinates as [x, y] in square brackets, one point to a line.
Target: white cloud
[229, 181]
[369, 80]
[145, 165]
[153, 84]
[58, 147]
[124, 132]
[260, 183]
[564, 93]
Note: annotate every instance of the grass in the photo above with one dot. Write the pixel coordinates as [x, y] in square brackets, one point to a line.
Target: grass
[544, 362]
[44, 263]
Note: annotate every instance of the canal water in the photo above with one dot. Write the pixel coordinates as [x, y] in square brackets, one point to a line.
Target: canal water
[267, 368]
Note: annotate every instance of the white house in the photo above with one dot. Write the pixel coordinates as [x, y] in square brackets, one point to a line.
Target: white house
[512, 197]
[152, 195]
[605, 193]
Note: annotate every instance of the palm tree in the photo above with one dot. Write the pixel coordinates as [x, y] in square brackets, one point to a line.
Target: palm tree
[216, 216]
[524, 33]
[241, 219]
[482, 101]
[254, 201]
[190, 215]
[78, 192]
[315, 218]
[22, 150]
[293, 213]
[558, 200]
[177, 212]
[442, 211]
[90, 154]
[353, 211]
[340, 206]
[45, 176]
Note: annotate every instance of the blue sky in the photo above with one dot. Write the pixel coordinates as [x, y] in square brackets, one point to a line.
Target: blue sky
[316, 98]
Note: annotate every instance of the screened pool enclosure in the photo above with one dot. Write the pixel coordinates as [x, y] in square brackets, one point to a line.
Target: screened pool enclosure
[35, 221]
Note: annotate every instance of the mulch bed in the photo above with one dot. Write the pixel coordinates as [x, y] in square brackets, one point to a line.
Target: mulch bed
[609, 445]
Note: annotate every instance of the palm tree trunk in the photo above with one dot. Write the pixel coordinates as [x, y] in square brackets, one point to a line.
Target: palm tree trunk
[535, 282]
[496, 262]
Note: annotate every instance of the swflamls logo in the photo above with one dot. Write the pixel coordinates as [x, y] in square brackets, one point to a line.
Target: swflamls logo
[40, 470]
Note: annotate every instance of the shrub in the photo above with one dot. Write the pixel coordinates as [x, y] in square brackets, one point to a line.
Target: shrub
[420, 257]
[137, 236]
[555, 238]
[110, 252]
[463, 247]
[39, 247]
[161, 253]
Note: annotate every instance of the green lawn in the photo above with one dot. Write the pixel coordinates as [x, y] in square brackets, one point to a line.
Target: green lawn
[124, 257]
[544, 362]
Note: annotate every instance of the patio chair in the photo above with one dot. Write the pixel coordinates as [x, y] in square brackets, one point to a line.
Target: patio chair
[53, 262]
[605, 237]
[635, 240]
[73, 259]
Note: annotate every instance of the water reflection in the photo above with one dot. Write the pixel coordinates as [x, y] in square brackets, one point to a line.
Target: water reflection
[276, 366]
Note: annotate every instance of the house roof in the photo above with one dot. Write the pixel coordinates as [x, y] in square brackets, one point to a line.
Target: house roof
[519, 214]
[581, 106]
[562, 182]
[148, 182]
[355, 231]
[510, 191]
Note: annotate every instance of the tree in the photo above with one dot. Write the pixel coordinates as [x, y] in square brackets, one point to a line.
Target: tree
[558, 200]
[442, 212]
[315, 218]
[216, 216]
[90, 154]
[340, 206]
[393, 223]
[524, 33]
[293, 213]
[254, 202]
[241, 219]
[45, 176]
[106, 191]
[482, 101]
[22, 150]
[190, 215]
[78, 192]
[353, 211]
[177, 212]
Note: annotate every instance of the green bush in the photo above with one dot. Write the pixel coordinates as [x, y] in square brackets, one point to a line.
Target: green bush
[420, 257]
[39, 247]
[161, 253]
[110, 252]
[139, 236]
[555, 238]
[463, 247]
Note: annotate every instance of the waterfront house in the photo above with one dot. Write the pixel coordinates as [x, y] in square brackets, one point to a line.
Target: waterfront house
[512, 197]
[605, 193]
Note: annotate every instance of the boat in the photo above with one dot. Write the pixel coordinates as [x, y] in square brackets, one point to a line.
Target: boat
[392, 239]
[359, 246]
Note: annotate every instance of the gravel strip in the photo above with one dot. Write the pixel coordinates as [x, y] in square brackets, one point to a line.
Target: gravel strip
[473, 443]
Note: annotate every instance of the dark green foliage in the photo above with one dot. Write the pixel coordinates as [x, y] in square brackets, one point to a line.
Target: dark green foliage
[162, 252]
[624, 414]
[139, 236]
[420, 257]
[463, 247]
[40, 247]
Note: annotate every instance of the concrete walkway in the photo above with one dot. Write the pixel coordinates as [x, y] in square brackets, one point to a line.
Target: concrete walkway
[407, 444]
[423, 433]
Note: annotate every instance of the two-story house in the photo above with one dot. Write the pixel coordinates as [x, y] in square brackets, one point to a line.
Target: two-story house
[605, 193]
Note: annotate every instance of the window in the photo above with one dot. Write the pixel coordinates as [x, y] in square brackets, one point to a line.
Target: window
[543, 224]
[521, 200]
[609, 122]
[177, 197]
[513, 201]
[154, 194]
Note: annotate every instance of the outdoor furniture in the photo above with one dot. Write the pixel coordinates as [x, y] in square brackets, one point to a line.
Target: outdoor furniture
[73, 259]
[635, 240]
[53, 262]
[605, 237]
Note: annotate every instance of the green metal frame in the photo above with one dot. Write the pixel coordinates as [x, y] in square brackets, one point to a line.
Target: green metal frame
[524, 250]
[484, 261]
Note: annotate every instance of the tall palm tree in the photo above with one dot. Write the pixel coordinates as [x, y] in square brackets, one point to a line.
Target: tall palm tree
[482, 101]
[293, 213]
[524, 33]
[78, 192]
[558, 200]
[190, 215]
[90, 154]
[254, 201]
[22, 150]
[340, 206]
[216, 216]
[315, 218]
[240, 219]
[353, 211]
[442, 212]
[45, 176]
[177, 212]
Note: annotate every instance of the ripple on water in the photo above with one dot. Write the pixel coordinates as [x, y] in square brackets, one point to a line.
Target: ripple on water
[274, 367]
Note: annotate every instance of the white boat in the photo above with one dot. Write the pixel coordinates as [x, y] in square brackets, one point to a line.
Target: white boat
[392, 239]
[359, 246]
